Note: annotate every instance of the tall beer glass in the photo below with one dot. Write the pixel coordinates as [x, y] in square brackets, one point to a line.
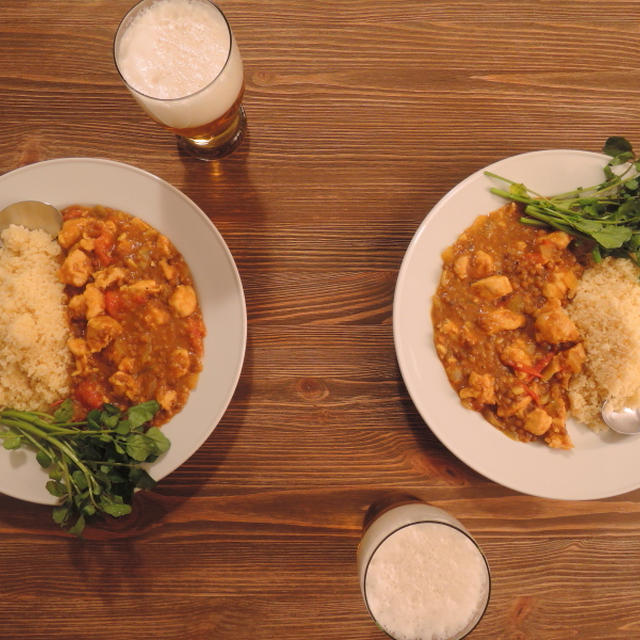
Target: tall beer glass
[180, 61]
[422, 575]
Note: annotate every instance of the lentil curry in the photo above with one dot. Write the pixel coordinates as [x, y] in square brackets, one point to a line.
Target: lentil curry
[137, 329]
[508, 346]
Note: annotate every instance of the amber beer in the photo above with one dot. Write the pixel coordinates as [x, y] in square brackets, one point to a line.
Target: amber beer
[180, 61]
[215, 127]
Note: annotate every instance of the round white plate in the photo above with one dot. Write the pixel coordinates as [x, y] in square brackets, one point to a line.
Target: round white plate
[599, 465]
[120, 186]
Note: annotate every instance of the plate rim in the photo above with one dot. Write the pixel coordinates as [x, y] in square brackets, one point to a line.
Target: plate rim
[401, 349]
[215, 418]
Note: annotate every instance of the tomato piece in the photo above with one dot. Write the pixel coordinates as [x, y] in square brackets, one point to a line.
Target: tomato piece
[104, 245]
[138, 297]
[532, 371]
[114, 303]
[531, 392]
[196, 331]
[89, 394]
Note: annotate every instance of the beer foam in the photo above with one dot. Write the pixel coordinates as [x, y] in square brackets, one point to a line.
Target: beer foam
[427, 581]
[181, 62]
[174, 48]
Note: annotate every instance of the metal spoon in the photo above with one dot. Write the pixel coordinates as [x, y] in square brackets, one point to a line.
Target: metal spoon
[32, 215]
[625, 420]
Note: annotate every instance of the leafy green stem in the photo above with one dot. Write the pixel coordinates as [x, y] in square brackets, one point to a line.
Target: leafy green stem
[94, 464]
[606, 214]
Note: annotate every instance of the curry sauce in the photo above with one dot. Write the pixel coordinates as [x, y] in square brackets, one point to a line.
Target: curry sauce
[136, 325]
[508, 346]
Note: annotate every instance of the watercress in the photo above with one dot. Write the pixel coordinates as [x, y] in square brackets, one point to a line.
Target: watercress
[94, 465]
[606, 214]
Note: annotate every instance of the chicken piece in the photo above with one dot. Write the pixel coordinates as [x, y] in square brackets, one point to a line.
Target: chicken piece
[76, 268]
[168, 270]
[88, 304]
[558, 440]
[492, 287]
[483, 264]
[80, 351]
[445, 278]
[141, 224]
[106, 277]
[559, 239]
[78, 347]
[516, 353]
[87, 244]
[163, 245]
[447, 255]
[461, 266]
[455, 372]
[126, 385]
[556, 287]
[180, 362]
[550, 245]
[571, 281]
[538, 422]
[127, 364]
[574, 358]
[469, 334]
[183, 300]
[77, 306]
[485, 385]
[124, 245]
[143, 286]
[517, 407]
[561, 284]
[167, 398]
[156, 316]
[449, 327]
[555, 366]
[93, 228]
[101, 330]
[553, 325]
[502, 320]
[71, 231]
[94, 299]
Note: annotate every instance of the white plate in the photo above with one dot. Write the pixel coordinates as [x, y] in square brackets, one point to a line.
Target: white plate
[599, 465]
[95, 181]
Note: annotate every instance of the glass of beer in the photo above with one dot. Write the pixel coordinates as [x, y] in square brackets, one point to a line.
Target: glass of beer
[180, 61]
[421, 573]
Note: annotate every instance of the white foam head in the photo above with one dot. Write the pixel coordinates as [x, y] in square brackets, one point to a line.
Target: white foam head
[422, 576]
[180, 60]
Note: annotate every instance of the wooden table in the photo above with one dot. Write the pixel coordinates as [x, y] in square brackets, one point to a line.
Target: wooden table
[361, 116]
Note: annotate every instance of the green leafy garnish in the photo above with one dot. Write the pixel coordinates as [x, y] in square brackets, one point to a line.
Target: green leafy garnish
[606, 214]
[94, 465]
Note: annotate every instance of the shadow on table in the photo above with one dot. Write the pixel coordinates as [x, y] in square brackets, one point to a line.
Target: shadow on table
[224, 192]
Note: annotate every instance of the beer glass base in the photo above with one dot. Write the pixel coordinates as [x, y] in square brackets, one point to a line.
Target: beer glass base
[217, 146]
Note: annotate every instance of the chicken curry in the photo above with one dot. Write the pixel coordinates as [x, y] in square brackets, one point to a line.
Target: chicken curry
[136, 326]
[508, 346]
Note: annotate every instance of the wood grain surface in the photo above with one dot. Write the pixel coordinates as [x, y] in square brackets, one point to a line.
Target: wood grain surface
[361, 116]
